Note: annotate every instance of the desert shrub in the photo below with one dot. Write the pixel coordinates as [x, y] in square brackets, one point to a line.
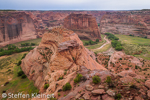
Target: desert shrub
[58, 94]
[23, 76]
[60, 78]
[78, 78]
[32, 44]
[108, 80]
[20, 73]
[65, 72]
[96, 79]
[66, 87]
[24, 56]
[118, 96]
[19, 63]
[97, 40]
[46, 86]
[1, 50]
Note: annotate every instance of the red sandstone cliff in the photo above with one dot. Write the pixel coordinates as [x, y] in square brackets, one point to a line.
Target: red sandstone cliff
[15, 27]
[85, 25]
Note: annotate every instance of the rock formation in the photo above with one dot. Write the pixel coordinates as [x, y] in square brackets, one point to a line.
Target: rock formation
[84, 25]
[126, 22]
[59, 52]
[15, 27]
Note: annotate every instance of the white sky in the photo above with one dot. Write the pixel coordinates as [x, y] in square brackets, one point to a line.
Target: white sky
[75, 4]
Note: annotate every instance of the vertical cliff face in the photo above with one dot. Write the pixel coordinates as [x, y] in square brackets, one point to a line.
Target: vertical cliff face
[84, 25]
[126, 22]
[15, 27]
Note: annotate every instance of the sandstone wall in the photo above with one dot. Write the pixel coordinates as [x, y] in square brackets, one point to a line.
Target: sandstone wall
[16, 27]
[85, 25]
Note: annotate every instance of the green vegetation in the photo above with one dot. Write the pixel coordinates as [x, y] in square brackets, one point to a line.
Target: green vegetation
[111, 36]
[100, 43]
[16, 84]
[139, 47]
[115, 43]
[14, 49]
[58, 94]
[66, 87]
[46, 86]
[27, 44]
[60, 78]
[90, 42]
[20, 73]
[78, 78]
[108, 80]
[118, 96]
[96, 79]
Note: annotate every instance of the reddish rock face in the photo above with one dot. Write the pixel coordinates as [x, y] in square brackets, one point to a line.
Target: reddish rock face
[84, 25]
[15, 27]
[126, 22]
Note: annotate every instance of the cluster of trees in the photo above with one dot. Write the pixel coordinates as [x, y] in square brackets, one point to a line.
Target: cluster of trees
[90, 42]
[27, 44]
[13, 49]
[111, 36]
[115, 43]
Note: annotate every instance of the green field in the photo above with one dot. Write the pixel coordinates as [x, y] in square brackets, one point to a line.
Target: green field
[134, 45]
[8, 73]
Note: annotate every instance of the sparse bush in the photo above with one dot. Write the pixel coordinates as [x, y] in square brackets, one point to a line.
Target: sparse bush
[78, 78]
[65, 73]
[66, 87]
[58, 94]
[23, 76]
[97, 40]
[118, 96]
[96, 79]
[19, 63]
[46, 86]
[60, 78]
[24, 56]
[20, 73]
[108, 80]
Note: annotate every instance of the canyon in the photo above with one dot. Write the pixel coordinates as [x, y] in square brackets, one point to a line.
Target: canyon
[16, 26]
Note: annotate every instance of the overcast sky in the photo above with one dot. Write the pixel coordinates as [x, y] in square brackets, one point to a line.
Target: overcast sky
[75, 4]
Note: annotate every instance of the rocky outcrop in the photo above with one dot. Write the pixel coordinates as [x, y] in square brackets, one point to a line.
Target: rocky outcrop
[126, 22]
[60, 54]
[84, 24]
[16, 27]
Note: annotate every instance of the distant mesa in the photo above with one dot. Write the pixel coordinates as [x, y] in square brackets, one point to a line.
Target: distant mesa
[84, 25]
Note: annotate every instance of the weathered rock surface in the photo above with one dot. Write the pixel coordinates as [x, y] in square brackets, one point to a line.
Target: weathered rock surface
[147, 84]
[59, 50]
[98, 91]
[126, 22]
[83, 24]
[89, 87]
[16, 27]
